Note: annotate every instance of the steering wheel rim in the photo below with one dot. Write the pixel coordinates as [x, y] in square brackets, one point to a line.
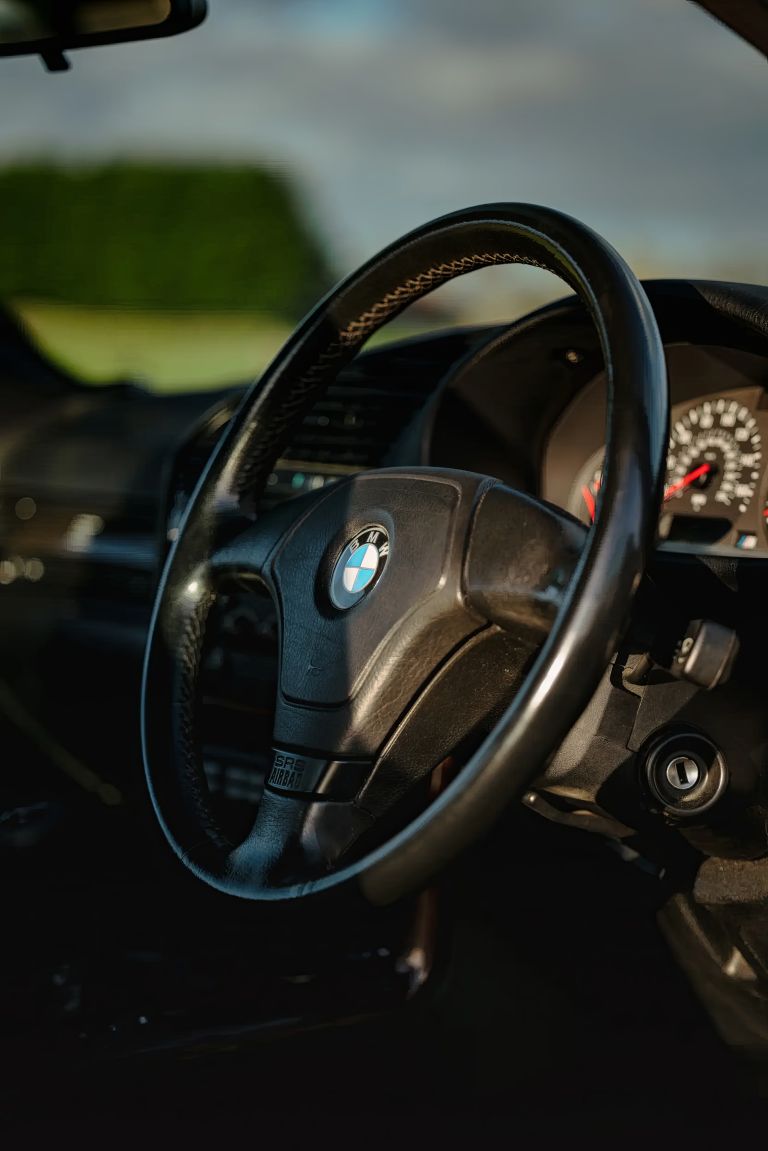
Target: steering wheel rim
[592, 610]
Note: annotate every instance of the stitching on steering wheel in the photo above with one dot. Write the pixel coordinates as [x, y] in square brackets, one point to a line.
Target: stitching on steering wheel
[260, 460]
[418, 285]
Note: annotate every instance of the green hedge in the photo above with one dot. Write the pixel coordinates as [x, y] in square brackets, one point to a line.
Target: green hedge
[157, 236]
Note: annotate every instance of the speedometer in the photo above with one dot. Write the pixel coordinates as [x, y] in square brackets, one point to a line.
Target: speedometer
[714, 457]
[713, 463]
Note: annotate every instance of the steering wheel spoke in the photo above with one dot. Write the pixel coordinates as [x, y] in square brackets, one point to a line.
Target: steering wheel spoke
[247, 552]
[295, 839]
[522, 557]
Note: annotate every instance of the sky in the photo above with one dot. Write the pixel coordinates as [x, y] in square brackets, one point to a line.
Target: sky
[644, 118]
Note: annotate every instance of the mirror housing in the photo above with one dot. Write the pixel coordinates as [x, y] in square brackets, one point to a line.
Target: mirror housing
[49, 28]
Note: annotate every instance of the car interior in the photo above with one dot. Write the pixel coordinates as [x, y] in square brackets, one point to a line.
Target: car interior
[387, 736]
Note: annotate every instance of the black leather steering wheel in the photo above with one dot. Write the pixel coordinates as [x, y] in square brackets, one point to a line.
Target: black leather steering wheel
[421, 612]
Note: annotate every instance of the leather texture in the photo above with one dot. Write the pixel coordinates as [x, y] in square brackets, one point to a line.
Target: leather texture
[592, 610]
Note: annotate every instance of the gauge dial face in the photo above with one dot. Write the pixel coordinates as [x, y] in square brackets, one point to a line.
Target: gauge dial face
[715, 456]
[714, 463]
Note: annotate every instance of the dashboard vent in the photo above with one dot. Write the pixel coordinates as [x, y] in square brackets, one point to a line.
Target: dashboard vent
[361, 416]
[356, 425]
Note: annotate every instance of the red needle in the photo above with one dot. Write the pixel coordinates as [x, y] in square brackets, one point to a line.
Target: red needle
[687, 479]
[589, 500]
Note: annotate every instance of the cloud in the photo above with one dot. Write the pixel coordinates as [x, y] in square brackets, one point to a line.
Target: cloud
[643, 117]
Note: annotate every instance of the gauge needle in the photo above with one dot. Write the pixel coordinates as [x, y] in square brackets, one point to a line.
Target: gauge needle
[589, 500]
[687, 480]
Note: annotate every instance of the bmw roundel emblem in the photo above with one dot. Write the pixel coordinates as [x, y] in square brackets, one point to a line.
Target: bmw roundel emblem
[359, 566]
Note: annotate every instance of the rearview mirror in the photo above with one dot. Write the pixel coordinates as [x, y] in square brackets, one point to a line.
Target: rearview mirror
[50, 27]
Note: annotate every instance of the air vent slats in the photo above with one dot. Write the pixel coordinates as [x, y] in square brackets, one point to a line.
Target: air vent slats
[354, 426]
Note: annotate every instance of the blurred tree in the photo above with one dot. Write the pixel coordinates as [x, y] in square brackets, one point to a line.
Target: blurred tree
[158, 236]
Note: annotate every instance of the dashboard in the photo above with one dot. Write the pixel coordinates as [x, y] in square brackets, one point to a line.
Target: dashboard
[93, 482]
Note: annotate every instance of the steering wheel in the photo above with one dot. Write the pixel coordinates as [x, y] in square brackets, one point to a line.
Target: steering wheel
[425, 615]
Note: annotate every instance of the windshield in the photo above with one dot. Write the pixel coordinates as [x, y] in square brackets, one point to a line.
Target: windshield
[171, 208]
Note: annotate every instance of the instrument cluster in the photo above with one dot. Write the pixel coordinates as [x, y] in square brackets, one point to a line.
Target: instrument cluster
[716, 488]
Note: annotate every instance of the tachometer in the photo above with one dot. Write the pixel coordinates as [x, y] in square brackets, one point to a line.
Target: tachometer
[713, 463]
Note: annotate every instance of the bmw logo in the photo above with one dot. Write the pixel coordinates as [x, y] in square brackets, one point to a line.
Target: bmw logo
[359, 566]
